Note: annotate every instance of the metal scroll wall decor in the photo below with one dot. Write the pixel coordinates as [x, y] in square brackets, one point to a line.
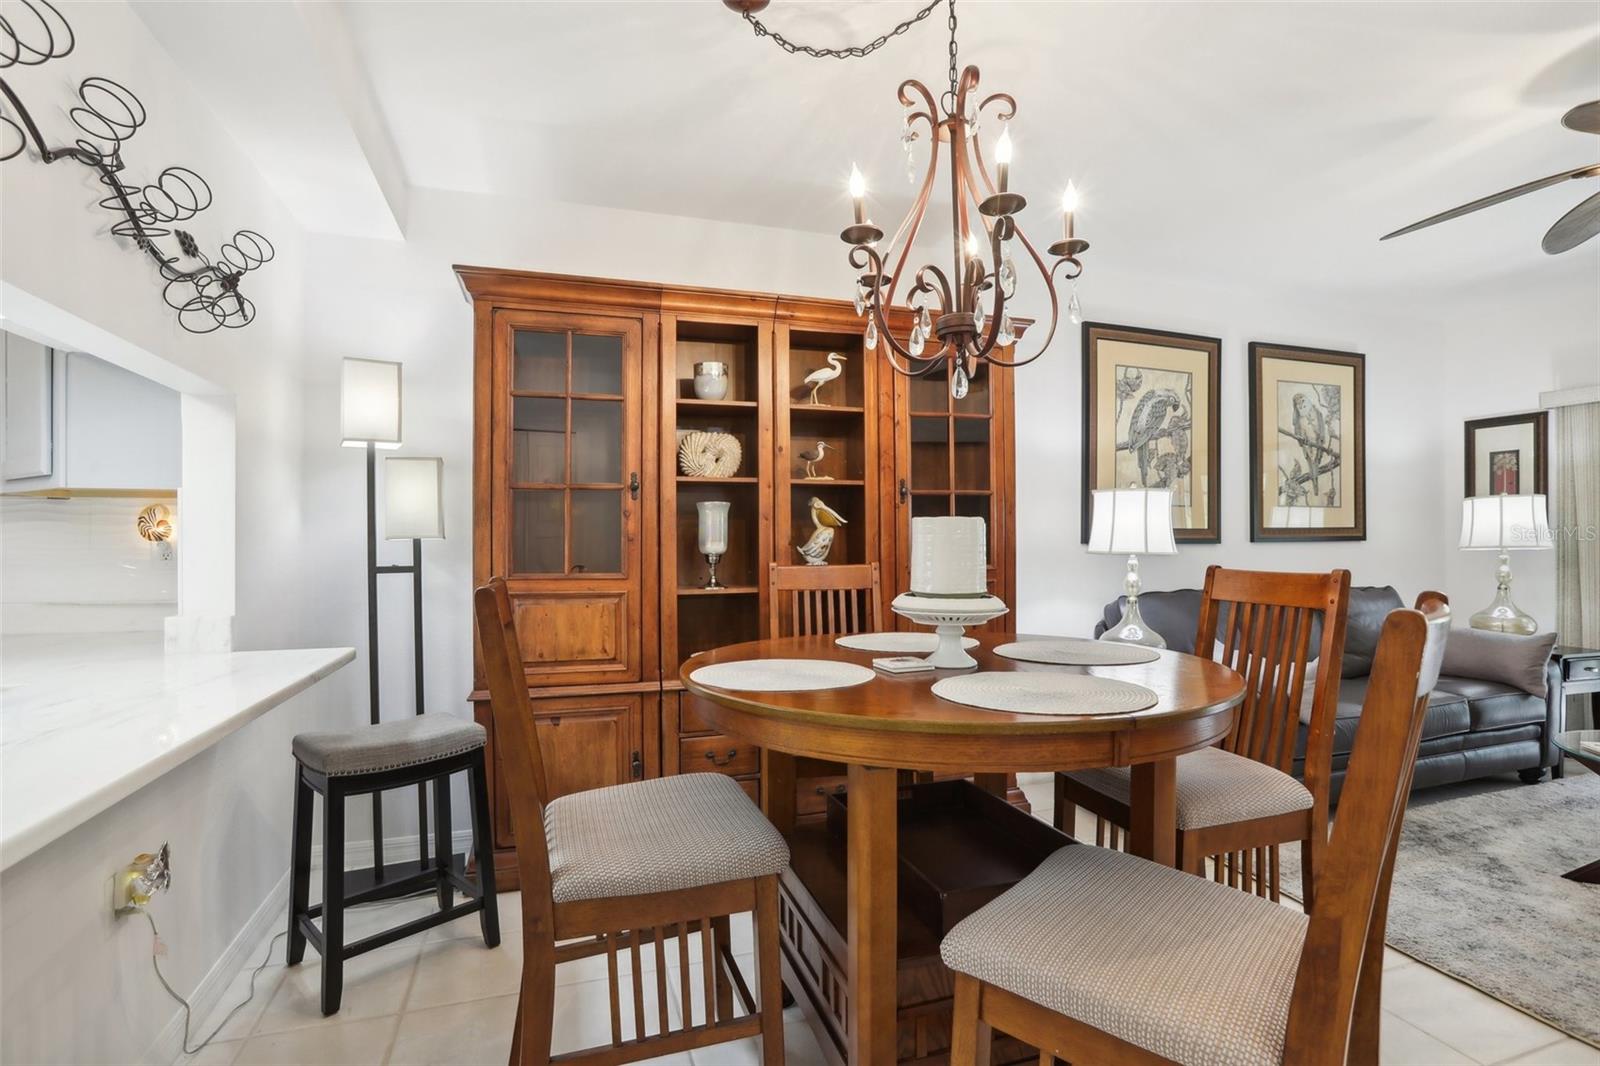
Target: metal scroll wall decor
[204, 291]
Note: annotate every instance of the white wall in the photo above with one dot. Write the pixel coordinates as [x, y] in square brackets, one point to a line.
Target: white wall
[1433, 359]
[76, 986]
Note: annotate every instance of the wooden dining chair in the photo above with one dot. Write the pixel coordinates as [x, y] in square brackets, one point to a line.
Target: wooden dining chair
[1238, 802]
[612, 869]
[1098, 956]
[824, 601]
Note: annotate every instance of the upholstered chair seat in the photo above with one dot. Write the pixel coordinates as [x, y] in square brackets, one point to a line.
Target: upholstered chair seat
[388, 745]
[1215, 787]
[661, 835]
[1138, 950]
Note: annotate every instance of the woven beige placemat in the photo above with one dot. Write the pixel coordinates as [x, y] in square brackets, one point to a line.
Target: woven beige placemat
[1039, 692]
[782, 675]
[1075, 651]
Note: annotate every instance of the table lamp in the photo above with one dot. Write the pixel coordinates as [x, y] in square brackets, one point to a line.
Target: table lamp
[1132, 522]
[1505, 524]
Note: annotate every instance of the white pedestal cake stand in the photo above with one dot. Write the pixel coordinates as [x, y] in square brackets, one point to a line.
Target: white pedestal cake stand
[949, 618]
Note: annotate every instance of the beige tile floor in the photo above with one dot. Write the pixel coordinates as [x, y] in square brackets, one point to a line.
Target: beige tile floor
[442, 998]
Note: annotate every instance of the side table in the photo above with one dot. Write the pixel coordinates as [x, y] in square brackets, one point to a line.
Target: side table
[1578, 673]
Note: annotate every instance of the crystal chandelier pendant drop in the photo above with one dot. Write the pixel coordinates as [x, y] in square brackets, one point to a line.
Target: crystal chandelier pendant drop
[925, 320]
[1008, 276]
[959, 383]
[861, 299]
[871, 338]
[1074, 309]
[979, 317]
[1007, 333]
[918, 340]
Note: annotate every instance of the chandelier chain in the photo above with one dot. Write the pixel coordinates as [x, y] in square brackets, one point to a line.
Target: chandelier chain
[860, 50]
[952, 22]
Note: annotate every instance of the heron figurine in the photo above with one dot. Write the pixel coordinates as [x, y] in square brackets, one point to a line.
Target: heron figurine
[824, 374]
[825, 520]
[811, 458]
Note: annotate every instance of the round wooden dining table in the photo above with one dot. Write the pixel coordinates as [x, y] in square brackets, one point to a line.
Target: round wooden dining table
[894, 722]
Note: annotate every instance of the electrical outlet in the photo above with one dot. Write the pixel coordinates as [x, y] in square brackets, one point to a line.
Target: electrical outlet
[136, 884]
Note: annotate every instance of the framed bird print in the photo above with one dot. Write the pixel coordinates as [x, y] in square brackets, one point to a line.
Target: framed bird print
[1307, 444]
[1150, 420]
[1505, 455]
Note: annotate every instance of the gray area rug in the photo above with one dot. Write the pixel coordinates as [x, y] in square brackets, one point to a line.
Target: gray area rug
[1478, 894]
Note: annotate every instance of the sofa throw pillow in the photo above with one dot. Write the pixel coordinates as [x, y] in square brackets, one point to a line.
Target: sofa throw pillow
[1507, 658]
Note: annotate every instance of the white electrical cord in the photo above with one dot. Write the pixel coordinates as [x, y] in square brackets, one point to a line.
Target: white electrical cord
[188, 1011]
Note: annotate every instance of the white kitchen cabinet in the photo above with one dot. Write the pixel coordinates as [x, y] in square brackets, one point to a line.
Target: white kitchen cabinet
[77, 423]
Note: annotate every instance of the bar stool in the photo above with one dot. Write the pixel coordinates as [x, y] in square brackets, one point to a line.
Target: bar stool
[412, 751]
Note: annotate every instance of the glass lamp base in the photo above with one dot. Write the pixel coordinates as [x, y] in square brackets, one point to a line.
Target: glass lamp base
[1131, 628]
[1503, 616]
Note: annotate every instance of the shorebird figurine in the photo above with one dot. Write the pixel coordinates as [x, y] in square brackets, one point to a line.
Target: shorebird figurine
[824, 374]
[815, 550]
[812, 458]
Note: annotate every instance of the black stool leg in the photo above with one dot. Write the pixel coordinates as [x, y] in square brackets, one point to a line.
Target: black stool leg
[332, 898]
[299, 866]
[443, 840]
[483, 850]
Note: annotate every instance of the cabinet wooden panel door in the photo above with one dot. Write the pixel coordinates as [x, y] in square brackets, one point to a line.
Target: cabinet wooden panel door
[953, 457]
[587, 742]
[569, 492]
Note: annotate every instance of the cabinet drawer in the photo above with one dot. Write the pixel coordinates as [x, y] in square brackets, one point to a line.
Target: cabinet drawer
[752, 788]
[1585, 669]
[720, 754]
[689, 718]
[811, 797]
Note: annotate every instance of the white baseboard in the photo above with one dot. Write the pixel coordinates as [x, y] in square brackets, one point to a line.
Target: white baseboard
[167, 1047]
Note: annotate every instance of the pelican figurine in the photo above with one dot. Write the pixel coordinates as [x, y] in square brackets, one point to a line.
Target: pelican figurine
[824, 374]
[812, 458]
[815, 550]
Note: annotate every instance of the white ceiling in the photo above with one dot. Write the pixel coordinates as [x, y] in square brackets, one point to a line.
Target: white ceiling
[1244, 142]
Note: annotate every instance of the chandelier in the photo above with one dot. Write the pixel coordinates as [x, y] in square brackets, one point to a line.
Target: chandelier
[960, 319]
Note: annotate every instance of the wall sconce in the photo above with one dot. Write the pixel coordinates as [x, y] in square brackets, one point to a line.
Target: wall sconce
[155, 525]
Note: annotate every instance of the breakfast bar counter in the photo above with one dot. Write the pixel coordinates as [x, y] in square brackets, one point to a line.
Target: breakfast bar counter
[88, 719]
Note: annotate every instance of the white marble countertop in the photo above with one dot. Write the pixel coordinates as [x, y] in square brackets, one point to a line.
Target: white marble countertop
[88, 719]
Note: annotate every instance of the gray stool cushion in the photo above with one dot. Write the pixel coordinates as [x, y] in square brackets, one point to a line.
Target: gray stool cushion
[660, 835]
[1215, 787]
[1192, 970]
[388, 745]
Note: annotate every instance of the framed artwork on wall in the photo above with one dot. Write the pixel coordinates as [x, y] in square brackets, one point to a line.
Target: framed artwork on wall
[1307, 444]
[1505, 455]
[1150, 420]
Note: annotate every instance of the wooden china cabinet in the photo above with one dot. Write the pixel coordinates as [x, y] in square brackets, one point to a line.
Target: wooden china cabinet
[583, 390]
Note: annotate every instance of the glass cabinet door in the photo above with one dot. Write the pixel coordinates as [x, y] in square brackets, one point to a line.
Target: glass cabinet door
[566, 494]
[948, 461]
[567, 429]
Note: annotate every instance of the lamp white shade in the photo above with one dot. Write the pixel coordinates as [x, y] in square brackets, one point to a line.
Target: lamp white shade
[1505, 523]
[413, 498]
[1132, 522]
[369, 403]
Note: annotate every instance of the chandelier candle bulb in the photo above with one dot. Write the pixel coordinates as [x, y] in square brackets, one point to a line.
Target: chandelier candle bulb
[1069, 207]
[858, 194]
[1002, 157]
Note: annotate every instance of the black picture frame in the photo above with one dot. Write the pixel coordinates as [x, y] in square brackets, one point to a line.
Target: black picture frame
[1209, 352]
[1352, 456]
[1538, 421]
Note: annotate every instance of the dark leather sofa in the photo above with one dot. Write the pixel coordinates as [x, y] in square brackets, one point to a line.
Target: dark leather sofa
[1473, 727]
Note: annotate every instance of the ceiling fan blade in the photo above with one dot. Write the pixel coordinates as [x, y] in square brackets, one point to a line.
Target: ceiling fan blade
[1499, 197]
[1574, 227]
[1585, 118]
